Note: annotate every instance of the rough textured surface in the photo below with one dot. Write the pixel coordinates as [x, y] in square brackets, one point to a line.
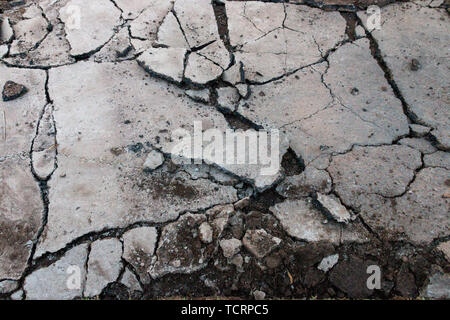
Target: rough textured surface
[98, 188]
[425, 88]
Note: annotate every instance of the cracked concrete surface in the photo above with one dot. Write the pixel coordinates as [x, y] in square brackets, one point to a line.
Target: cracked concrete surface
[89, 187]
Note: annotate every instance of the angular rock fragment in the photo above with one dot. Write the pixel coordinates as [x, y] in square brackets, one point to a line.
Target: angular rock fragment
[62, 280]
[104, 265]
[302, 221]
[118, 48]
[206, 232]
[328, 262]
[260, 243]
[89, 24]
[132, 8]
[200, 70]
[202, 96]
[311, 180]
[3, 50]
[444, 247]
[230, 247]
[234, 74]
[333, 208]
[154, 160]
[12, 91]
[139, 248]
[227, 98]
[167, 63]
[130, 281]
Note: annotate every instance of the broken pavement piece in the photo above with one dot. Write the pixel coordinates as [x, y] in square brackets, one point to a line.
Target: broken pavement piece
[438, 286]
[260, 243]
[333, 208]
[104, 265]
[437, 159]
[202, 95]
[217, 53]
[418, 130]
[170, 34]
[234, 74]
[167, 63]
[130, 281]
[28, 33]
[139, 248]
[154, 160]
[12, 91]
[50, 283]
[200, 70]
[95, 27]
[7, 286]
[6, 31]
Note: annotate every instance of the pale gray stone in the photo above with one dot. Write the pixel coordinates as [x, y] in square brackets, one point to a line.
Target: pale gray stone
[260, 243]
[230, 247]
[334, 208]
[259, 295]
[234, 74]
[54, 282]
[227, 98]
[154, 160]
[18, 295]
[130, 281]
[118, 48]
[139, 247]
[167, 63]
[104, 265]
[360, 32]
[328, 262]
[444, 247]
[97, 21]
[217, 53]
